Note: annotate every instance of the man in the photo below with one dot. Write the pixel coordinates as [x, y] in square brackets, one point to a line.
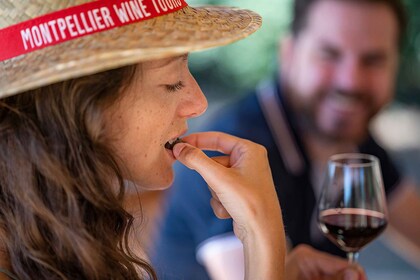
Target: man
[338, 70]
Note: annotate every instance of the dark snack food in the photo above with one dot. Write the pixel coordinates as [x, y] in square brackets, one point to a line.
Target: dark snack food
[170, 145]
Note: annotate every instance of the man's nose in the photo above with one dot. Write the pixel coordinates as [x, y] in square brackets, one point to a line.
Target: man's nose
[351, 75]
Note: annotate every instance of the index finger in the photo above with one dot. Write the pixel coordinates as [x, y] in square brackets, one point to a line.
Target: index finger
[215, 141]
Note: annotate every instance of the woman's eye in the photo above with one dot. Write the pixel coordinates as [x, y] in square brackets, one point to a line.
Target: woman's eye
[175, 87]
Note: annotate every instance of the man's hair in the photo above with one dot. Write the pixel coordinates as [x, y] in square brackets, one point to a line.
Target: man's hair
[301, 10]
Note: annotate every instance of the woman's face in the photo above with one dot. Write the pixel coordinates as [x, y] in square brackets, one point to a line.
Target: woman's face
[153, 110]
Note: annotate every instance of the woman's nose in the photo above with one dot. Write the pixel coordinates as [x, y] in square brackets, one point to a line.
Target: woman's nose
[195, 103]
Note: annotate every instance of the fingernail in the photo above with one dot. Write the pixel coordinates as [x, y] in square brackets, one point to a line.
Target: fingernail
[177, 149]
[350, 274]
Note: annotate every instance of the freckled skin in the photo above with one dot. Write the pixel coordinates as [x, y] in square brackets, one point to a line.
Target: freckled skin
[149, 115]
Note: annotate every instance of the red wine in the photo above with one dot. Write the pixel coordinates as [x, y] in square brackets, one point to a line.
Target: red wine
[351, 228]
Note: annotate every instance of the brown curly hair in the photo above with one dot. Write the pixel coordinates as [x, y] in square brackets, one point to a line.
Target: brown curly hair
[61, 216]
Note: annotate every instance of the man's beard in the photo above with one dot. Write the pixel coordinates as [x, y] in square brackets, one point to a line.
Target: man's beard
[308, 117]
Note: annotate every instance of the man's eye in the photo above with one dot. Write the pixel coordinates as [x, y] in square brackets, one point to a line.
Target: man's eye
[328, 54]
[175, 87]
[374, 60]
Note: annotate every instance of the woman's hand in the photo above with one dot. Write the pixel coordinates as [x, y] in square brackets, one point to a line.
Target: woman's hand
[307, 263]
[240, 182]
[242, 188]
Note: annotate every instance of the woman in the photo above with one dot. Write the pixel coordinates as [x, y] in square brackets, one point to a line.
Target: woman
[78, 140]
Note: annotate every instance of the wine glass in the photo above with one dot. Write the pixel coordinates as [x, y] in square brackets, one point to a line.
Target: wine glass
[352, 207]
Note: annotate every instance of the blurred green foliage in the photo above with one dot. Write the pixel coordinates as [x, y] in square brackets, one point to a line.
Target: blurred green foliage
[409, 75]
[229, 71]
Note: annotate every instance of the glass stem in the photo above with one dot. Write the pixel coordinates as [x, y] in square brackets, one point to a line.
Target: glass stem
[353, 257]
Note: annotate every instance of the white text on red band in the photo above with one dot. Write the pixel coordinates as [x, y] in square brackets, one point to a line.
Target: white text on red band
[86, 22]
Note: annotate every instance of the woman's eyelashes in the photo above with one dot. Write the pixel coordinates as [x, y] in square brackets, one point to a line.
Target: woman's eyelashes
[175, 87]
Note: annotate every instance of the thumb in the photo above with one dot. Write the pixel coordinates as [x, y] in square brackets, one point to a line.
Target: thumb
[353, 273]
[196, 159]
[350, 274]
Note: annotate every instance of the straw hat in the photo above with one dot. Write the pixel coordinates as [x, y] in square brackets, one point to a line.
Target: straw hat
[179, 32]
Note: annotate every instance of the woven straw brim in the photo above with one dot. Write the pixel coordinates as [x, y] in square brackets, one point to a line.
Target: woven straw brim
[186, 30]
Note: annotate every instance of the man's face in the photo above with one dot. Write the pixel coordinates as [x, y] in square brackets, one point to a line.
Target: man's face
[340, 69]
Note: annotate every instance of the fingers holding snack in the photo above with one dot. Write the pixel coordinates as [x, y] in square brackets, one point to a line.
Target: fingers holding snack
[242, 188]
[242, 183]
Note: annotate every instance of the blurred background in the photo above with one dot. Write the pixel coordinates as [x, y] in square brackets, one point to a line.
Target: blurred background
[228, 72]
